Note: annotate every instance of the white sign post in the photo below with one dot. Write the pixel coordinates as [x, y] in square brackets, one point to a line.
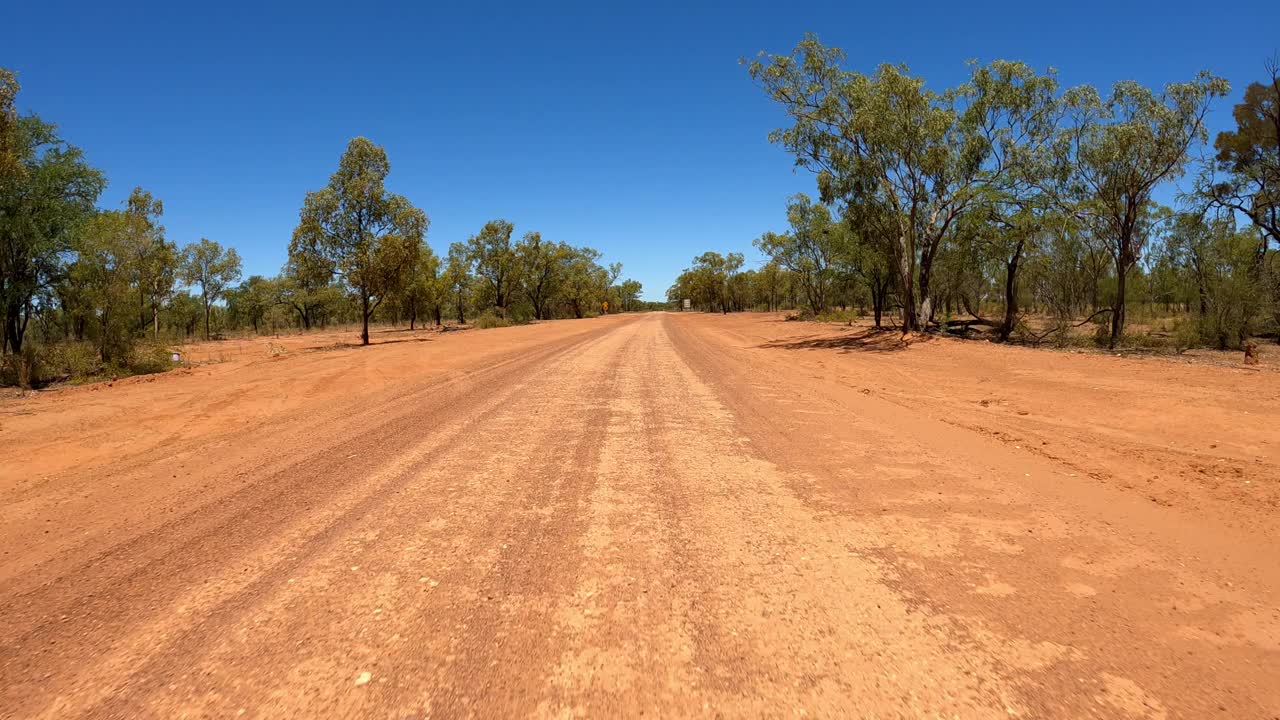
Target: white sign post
[686, 304]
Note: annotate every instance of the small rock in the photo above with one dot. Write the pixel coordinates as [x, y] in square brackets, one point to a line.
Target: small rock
[363, 678]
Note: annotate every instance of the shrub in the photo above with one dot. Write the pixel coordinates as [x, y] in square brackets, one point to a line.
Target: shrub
[149, 358]
[68, 361]
[489, 320]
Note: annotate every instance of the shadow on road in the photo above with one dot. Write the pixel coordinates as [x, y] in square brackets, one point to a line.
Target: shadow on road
[871, 340]
[374, 343]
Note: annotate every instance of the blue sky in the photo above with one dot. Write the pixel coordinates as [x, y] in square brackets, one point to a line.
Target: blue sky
[628, 127]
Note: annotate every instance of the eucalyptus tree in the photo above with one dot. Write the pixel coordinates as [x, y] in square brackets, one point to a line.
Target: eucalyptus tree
[1216, 260]
[927, 156]
[1017, 116]
[586, 281]
[629, 294]
[811, 250]
[368, 237]
[868, 253]
[456, 279]
[304, 285]
[709, 279]
[212, 267]
[47, 192]
[102, 273]
[154, 260]
[1250, 157]
[542, 267]
[1116, 150]
[882, 135]
[494, 260]
[769, 282]
[422, 291]
[252, 300]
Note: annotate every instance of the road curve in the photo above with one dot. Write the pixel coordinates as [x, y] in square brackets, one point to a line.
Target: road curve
[637, 517]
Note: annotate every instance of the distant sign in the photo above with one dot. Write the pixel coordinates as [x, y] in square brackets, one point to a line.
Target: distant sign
[687, 304]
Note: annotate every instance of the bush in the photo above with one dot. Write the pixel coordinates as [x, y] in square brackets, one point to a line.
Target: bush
[149, 358]
[68, 361]
[1186, 335]
[79, 361]
[840, 316]
[488, 320]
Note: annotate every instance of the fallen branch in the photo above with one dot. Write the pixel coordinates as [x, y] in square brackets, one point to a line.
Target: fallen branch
[1060, 328]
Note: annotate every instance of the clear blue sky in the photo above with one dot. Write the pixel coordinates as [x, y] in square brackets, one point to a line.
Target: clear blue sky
[631, 128]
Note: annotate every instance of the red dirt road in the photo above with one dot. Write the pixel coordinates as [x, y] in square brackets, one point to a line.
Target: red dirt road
[680, 515]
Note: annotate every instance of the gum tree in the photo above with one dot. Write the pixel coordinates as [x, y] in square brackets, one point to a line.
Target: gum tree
[810, 251]
[495, 261]
[542, 270]
[47, 192]
[359, 232]
[154, 259]
[212, 267]
[1250, 157]
[927, 157]
[1116, 150]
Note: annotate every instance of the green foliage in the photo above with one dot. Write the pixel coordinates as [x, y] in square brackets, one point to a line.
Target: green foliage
[67, 361]
[713, 283]
[213, 268]
[586, 282]
[1217, 262]
[101, 275]
[153, 260]
[1249, 155]
[494, 260]
[543, 267]
[1117, 150]
[813, 249]
[355, 229]
[47, 192]
[149, 358]
[922, 158]
[252, 300]
[489, 320]
[456, 280]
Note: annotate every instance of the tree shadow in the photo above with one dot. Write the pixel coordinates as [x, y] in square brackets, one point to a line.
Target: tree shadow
[404, 340]
[882, 340]
[357, 345]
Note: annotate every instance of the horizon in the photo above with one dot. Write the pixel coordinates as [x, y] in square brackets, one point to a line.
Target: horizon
[638, 133]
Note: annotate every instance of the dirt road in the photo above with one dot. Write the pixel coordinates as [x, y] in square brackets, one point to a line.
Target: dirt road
[674, 515]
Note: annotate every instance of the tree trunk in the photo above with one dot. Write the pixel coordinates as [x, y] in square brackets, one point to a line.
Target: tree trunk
[205, 298]
[1117, 311]
[12, 330]
[103, 351]
[1010, 293]
[879, 292]
[364, 314]
[925, 313]
[906, 276]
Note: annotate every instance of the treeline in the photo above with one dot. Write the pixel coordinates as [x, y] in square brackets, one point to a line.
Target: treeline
[86, 290]
[1011, 203]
